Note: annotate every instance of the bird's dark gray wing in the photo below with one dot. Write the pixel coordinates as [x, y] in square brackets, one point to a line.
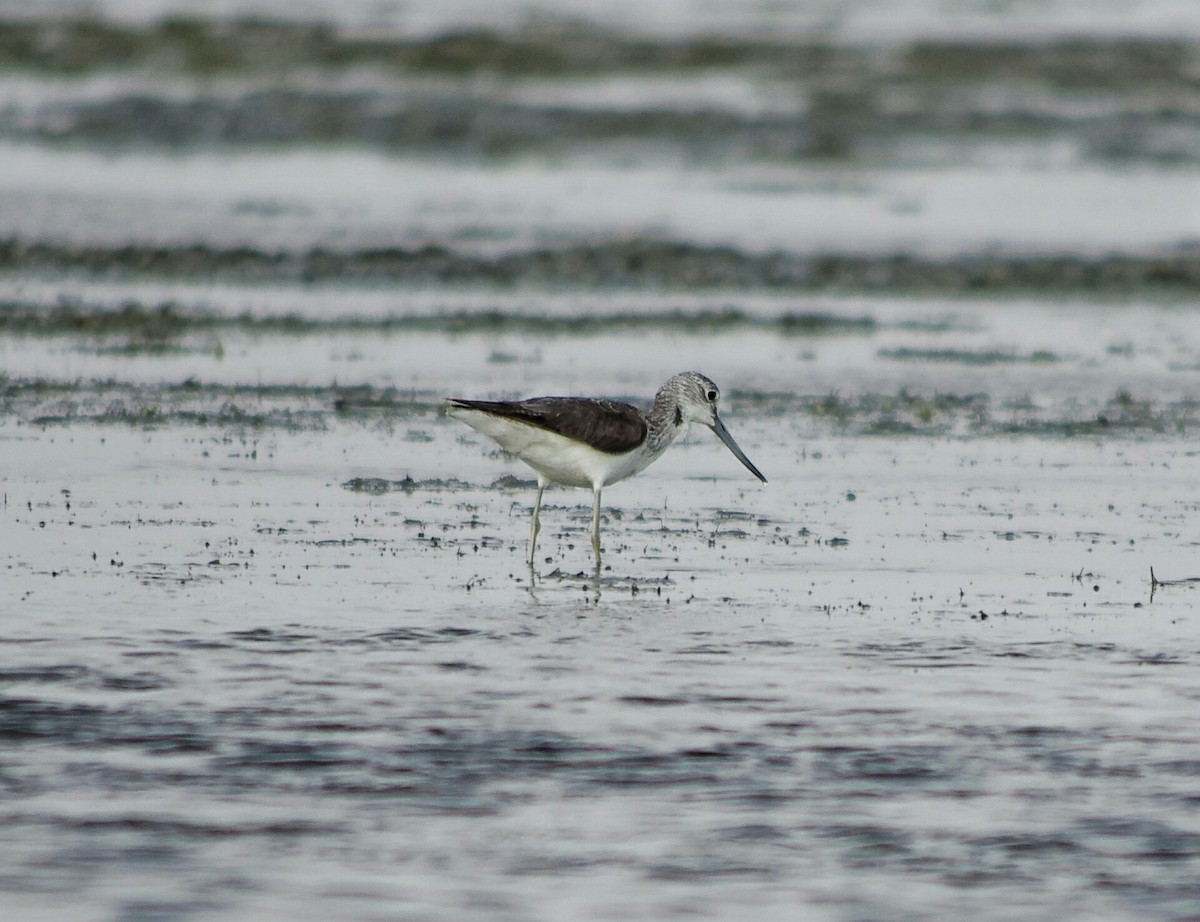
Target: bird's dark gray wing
[606, 425]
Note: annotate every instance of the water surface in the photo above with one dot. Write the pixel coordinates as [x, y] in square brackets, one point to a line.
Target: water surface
[269, 648]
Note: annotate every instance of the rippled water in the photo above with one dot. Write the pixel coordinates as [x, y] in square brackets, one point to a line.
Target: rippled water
[268, 645]
[908, 675]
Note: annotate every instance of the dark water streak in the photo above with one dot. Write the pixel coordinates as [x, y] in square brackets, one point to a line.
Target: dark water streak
[634, 264]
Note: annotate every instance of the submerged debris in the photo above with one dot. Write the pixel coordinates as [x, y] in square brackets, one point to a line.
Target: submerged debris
[380, 485]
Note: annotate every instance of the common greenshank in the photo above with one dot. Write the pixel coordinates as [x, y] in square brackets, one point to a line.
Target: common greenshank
[586, 442]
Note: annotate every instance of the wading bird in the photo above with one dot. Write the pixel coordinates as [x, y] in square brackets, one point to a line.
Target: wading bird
[586, 442]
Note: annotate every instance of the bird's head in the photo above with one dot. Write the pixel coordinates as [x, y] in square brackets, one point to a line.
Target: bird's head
[695, 398]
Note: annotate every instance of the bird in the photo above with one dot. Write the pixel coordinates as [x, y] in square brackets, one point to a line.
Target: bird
[591, 442]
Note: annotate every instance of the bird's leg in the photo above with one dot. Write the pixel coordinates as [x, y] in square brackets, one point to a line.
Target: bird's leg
[536, 525]
[596, 526]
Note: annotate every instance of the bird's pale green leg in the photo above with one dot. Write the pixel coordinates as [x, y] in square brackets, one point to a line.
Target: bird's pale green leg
[536, 525]
[596, 527]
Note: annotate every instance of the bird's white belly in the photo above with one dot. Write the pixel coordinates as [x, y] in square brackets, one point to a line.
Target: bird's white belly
[555, 457]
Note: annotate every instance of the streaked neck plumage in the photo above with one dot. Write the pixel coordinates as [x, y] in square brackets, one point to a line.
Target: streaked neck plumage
[666, 421]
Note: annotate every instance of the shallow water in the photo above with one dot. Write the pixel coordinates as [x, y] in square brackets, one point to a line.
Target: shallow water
[269, 647]
[909, 674]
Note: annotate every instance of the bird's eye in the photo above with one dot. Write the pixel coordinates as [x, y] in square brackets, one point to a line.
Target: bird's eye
[712, 396]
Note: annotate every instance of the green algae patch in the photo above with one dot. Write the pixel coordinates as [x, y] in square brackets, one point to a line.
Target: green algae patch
[968, 357]
[640, 263]
[151, 328]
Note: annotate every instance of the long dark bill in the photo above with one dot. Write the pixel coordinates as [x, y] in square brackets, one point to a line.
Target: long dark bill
[723, 434]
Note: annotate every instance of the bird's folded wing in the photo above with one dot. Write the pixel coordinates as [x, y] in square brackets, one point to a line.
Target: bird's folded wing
[606, 425]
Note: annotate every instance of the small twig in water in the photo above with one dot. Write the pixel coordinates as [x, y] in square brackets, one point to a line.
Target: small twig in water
[1155, 581]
